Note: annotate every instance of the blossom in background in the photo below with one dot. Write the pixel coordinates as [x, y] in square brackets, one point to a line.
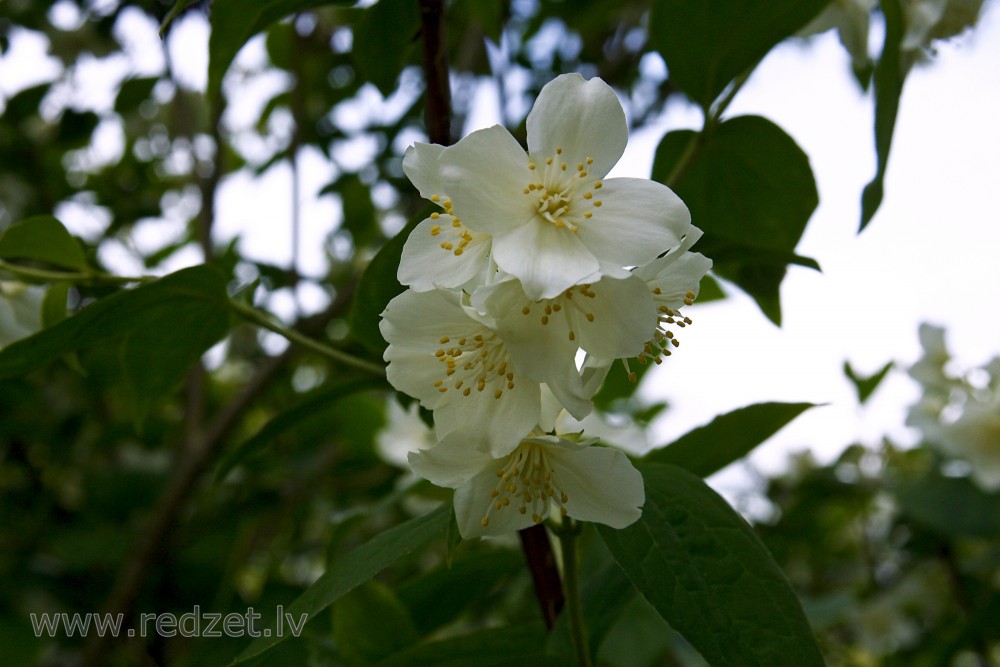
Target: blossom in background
[404, 432]
[960, 419]
[543, 474]
[553, 221]
[20, 311]
[445, 354]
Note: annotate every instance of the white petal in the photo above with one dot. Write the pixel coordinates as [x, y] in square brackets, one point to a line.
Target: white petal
[570, 391]
[674, 275]
[624, 318]
[473, 501]
[426, 265]
[414, 372]
[485, 175]
[418, 320]
[637, 220]
[450, 463]
[497, 424]
[546, 259]
[583, 118]
[420, 164]
[601, 483]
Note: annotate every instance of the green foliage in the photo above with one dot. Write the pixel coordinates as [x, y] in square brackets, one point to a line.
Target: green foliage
[750, 188]
[520, 645]
[728, 438]
[42, 239]
[392, 25]
[866, 386]
[953, 507]
[357, 567]
[709, 576]
[889, 75]
[362, 642]
[708, 44]
[157, 330]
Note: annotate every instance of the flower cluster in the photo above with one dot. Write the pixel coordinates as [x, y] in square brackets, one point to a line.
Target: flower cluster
[958, 414]
[533, 257]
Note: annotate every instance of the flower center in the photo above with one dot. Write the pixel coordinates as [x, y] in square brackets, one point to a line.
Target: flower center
[556, 190]
[474, 363]
[566, 305]
[528, 480]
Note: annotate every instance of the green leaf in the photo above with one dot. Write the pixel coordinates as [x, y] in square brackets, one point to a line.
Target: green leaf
[42, 239]
[439, 596]
[708, 574]
[54, 304]
[159, 330]
[727, 438]
[234, 22]
[378, 286]
[750, 188]
[134, 92]
[708, 44]
[889, 76]
[500, 647]
[384, 38]
[865, 386]
[370, 623]
[315, 403]
[951, 506]
[357, 567]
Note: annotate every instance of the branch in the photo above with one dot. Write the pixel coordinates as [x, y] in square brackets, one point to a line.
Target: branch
[438, 94]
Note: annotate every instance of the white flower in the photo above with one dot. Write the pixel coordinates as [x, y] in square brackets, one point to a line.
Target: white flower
[20, 311]
[404, 432]
[440, 252]
[553, 222]
[445, 354]
[975, 437]
[611, 318]
[497, 495]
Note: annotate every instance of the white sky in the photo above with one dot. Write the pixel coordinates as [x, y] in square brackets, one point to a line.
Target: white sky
[931, 254]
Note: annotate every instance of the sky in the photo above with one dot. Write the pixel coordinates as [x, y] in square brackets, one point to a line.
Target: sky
[930, 255]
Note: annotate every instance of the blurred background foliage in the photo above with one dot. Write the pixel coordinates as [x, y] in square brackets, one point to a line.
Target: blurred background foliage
[238, 484]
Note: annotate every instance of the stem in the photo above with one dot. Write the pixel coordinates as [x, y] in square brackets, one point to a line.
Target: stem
[261, 319]
[544, 573]
[571, 586]
[438, 94]
[84, 277]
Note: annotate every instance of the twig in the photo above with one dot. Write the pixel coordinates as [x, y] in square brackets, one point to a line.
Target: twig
[437, 109]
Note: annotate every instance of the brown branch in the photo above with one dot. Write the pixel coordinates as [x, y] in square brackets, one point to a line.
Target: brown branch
[542, 564]
[437, 104]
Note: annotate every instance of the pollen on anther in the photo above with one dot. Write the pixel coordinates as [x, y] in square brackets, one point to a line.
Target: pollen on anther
[435, 215]
[598, 202]
[588, 215]
[531, 166]
[435, 198]
[589, 316]
[526, 310]
[545, 319]
[558, 151]
[548, 161]
[572, 335]
[447, 246]
[598, 185]
[435, 230]
[485, 521]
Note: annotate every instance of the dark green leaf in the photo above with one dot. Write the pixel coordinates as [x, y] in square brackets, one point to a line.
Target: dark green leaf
[383, 41]
[500, 647]
[865, 386]
[378, 286]
[370, 623]
[439, 596]
[705, 571]
[313, 404]
[708, 44]
[889, 76]
[234, 22]
[750, 188]
[951, 506]
[729, 437]
[43, 239]
[75, 128]
[357, 567]
[133, 93]
[158, 329]
[54, 304]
